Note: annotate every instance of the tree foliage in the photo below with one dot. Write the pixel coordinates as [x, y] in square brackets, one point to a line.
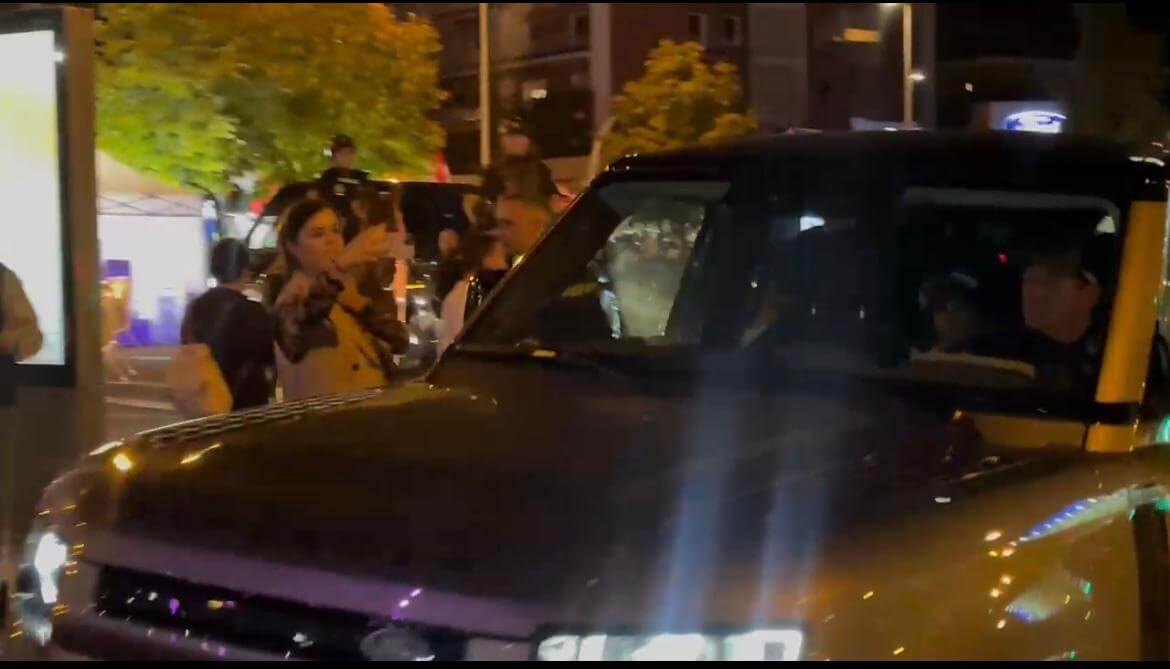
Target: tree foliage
[196, 94]
[680, 101]
[1121, 93]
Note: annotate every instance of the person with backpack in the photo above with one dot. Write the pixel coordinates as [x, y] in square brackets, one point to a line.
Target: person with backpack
[235, 334]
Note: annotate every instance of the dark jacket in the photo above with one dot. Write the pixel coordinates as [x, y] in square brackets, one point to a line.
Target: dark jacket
[340, 187]
[326, 348]
[239, 333]
[525, 176]
[1066, 368]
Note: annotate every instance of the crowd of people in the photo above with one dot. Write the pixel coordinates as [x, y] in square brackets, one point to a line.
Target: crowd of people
[327, 324]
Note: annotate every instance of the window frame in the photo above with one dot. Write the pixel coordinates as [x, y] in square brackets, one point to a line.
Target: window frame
[580, 38]
[704, 37]
[732, 20]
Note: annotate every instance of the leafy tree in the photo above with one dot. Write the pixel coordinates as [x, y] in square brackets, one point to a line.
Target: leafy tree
[680, 101]
[1122, 88]
[196, 94]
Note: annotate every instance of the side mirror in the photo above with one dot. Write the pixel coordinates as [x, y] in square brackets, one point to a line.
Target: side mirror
[476, 294]
[481, 284]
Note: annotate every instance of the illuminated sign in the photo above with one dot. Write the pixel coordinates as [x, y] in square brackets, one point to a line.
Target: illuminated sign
[808, 222]
[859, 35]
[30, 181]
[1035, 120]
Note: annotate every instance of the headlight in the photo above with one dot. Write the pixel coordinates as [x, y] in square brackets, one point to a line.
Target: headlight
[48, 558]
[37, 584]
[765, 644]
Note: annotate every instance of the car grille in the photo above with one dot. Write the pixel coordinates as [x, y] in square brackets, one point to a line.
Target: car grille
[280, 627]
[205, 427]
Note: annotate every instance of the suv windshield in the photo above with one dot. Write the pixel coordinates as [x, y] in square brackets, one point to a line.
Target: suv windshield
[825, 273]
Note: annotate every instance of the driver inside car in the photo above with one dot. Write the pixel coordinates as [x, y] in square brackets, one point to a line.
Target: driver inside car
[950, 303]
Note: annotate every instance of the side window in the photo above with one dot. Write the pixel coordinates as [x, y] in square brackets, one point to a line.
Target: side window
[269, 238]
[631, 286]
[624, 268]
[263, 235]
[697, 28]
[644, 261]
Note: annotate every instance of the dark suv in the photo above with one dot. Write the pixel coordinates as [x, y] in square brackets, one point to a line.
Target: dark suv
[720, 412]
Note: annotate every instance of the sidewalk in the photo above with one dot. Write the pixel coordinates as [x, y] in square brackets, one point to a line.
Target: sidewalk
[141, 400]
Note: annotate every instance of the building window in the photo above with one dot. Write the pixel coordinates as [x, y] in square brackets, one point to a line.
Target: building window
[467, 31]
[732, 31]
[581, 29]
[506, 88]
[535, 89]
[697, 28]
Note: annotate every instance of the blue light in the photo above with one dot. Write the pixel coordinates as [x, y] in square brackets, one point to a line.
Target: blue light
[1035, 120]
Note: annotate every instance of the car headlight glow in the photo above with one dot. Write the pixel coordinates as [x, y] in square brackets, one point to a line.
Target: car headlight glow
[48, 558]
[38, 583]
[759, 645]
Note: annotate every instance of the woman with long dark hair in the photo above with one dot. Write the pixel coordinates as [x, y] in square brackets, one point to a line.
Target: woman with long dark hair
[330, 337]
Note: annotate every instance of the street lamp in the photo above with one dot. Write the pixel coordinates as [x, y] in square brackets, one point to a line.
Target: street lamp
[909, 76]
[485, 90]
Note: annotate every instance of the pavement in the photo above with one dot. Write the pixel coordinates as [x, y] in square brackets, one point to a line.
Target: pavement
[137, 397]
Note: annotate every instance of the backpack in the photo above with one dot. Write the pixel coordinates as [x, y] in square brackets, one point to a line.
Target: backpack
[196, 382]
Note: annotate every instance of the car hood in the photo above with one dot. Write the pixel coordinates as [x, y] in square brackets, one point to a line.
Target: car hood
[609, 507]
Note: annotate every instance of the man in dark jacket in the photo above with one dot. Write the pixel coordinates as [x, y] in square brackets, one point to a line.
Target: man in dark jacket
[1063, 326]
[519, 171]
[342, 183]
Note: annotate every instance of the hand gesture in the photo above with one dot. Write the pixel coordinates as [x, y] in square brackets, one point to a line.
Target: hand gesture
[368, 246]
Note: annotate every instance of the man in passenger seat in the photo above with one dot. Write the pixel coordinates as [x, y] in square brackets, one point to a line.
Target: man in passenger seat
[1060, 291]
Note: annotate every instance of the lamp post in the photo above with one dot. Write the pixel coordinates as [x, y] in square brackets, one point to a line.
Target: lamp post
[485, 102]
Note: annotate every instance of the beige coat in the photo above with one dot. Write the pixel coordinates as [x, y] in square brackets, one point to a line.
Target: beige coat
[324, 348]
[353, 364]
